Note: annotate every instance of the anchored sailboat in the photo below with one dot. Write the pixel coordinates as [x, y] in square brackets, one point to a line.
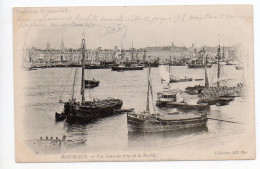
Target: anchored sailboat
[128, 65]
[176, 97]
[86, 111]
[219, 93]
[198, 63]
[174, 79]
[147, 121]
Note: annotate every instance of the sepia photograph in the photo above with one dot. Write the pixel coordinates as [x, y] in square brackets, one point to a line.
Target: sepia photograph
[134, 83]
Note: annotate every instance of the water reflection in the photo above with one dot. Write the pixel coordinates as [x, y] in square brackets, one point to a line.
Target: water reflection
[219, 123]
[76, 135]
[43, 92]
[149, 140]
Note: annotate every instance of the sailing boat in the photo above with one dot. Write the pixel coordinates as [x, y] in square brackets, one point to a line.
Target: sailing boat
[216, 94]
[175, 97]
[158, 122]
[128, 66]
[90, 83]
[198, 63]
[198, 88]
[29, 65]
[86, 111]
[174, 79]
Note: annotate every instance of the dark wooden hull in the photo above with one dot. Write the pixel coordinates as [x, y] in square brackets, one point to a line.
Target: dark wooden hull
[218, 101]
[180, 80]
[194, 90]
[91, 111]
[92, 67]
[183, 106]
[152, 64]
[177, 64]
[152, 124]
[198, 66]
[91, 83]
[60, 117]
[117, 68]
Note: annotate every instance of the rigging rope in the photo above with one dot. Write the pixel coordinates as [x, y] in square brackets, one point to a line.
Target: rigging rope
[74, 82]
[66, 84]
[152, 95]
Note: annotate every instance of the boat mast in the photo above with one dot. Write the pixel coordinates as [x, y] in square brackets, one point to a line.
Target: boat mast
[74, 84]
[132, 52]
[148, 90]
[170, 64]
[83, 70]
[218, 61]
[223, 53]
[206, 74]
[121, 50]
[218, 76]
[144, 57]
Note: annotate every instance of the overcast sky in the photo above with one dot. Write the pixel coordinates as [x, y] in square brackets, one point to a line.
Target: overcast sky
[144, 26]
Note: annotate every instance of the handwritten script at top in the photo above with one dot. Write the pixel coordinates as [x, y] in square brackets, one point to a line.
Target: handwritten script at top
[115, 29]
[63, 17]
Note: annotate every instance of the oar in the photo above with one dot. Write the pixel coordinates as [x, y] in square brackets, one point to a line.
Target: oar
[224, 120]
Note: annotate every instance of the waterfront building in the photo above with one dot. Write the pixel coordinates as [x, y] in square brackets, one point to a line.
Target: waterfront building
[164, 53]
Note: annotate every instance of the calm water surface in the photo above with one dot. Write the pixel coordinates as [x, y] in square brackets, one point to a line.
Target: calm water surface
[44, 88]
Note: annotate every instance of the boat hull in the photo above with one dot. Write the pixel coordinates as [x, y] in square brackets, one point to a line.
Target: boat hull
[218, 101]
[127, 68]
[92, 67]
[198, 66]
[180, 80]
[152, 64]
[183, 106]
[91, 83]
[60, 117]
[137, 124]
[91, 111]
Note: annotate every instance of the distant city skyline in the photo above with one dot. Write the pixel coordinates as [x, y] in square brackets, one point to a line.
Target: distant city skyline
[63, 45]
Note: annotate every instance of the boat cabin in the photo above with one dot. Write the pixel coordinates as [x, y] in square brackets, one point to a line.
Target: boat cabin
[168, 95]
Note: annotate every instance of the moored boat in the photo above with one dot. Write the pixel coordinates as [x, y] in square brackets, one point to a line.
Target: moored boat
[175, 99]
[176, 80]
[198, 64]
[92, 66]
[164, 122]
[87, 111]
[91, 83]
[91, 110]
[159, 122]
[219, 93]
[60, 116]
[126, 68]
[194, 89]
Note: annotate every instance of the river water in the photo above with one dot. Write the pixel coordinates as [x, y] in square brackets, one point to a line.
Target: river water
[45, 87]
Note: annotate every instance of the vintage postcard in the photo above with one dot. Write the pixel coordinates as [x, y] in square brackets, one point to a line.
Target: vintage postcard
[134, 83]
